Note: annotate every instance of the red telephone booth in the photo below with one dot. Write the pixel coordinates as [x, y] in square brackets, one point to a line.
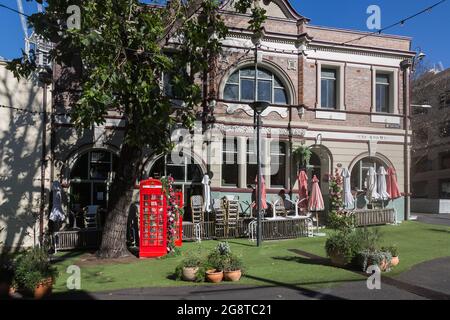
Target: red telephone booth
[153, 223]
[179, 223]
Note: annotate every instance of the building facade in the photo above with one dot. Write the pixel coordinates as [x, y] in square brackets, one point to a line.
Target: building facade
[431, 143]
[342, 97]
[23, 178]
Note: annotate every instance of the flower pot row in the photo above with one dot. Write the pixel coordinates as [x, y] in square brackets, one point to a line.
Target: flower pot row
[42, 290]
[213, 275]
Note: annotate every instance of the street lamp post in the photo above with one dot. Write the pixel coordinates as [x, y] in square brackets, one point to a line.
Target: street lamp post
[259, 107]
[408, 64]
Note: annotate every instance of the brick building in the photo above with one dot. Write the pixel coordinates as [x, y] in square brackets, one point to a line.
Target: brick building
[340, 96]
[430, 167]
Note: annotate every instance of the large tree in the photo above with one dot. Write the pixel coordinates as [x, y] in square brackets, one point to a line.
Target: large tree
[118, 57]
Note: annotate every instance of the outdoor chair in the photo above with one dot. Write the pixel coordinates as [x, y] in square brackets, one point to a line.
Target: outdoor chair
[232, 217]
[91, 217]
[220, 218]
[197, 209]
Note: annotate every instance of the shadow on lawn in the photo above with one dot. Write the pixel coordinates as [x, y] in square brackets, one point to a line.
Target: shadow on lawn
[439, 230]
[314, 261]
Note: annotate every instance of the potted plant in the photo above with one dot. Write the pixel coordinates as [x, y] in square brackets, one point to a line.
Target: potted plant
[393, 250]
[188, 269]
[34, 274]
[233, 268]
[342, 247]
[216, 262]
[367, 258]
[302, 156]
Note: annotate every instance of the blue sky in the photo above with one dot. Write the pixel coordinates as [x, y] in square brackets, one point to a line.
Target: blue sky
[429, 31]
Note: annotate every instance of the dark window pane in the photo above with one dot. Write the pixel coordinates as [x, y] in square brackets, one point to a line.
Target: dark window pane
[280, 96]
[100, 156]
[277, 169]
[194, 173]
[329, 73]
[158, 169]
[263, 74]
[277, 83]
[80, 195]
[248, 72]
[383, 79]
[99, 171]
[231, 92]
[234, 78]
[252, 172]
[247, 90]
[328, 94]
[382, 102]
[265, 91]
[80, 169]
[177, 172]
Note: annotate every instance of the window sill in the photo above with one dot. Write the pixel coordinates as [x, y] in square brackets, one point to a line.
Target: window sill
[330, 114]
[385, 119]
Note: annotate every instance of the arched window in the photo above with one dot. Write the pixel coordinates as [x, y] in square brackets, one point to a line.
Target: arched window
[241, 87]
[89, 179]
[360, 170]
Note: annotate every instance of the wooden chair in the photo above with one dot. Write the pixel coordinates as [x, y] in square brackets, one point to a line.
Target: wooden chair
[232, 217]
[220, 218]
[197, 209]
[91, 217]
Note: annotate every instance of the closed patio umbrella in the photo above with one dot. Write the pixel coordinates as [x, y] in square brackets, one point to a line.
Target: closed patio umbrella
[303, 189]
[349, 201]
[57, 215]
[392, 184]
[382, 189]
[316, 203]
[263, 193]
[371, 183]
[207, 193]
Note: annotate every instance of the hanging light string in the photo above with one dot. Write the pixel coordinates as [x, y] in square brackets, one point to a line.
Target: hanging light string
[378, 32]
[21, 110]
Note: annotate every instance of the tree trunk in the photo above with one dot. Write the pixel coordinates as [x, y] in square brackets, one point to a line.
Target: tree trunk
[115, 230]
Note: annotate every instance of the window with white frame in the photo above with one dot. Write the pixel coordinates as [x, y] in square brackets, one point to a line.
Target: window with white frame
[241, 87]
[360, 170]
[383, 93]
[329, 88]
[278, 164]
[230, 167]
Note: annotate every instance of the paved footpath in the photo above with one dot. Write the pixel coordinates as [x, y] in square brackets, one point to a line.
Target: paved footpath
[425, 281]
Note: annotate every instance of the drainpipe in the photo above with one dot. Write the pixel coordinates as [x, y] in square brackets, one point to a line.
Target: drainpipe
[45, 78]
[405, 66]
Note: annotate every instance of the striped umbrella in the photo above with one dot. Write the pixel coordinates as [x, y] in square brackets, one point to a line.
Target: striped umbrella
[392, 184]
[303, 189]
[316, 200]
[263, 192]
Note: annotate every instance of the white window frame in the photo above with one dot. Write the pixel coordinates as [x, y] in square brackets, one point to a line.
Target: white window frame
[378, 117]
[330, 114]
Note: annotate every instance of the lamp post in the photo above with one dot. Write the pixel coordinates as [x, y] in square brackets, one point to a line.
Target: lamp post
[258, 108]
[405, 65]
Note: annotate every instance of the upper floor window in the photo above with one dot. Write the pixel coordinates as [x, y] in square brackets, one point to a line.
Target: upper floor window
[383, 93]
[328, 88]
[241, 87]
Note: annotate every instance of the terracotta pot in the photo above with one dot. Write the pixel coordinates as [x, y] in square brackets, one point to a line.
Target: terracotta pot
[214, 276]
[383, 265]
[189, 273]
[232, 275]
[337, 259]
[44, 289]
[395, 261]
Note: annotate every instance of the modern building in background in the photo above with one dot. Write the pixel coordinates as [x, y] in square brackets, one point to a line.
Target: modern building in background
[343, 98]
[430, 170]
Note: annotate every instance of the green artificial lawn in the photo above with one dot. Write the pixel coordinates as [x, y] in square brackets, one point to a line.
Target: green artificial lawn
[271, 264]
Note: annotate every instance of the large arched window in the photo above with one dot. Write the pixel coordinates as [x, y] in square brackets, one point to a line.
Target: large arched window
[241, 87]
[360, 170]
[90, 177]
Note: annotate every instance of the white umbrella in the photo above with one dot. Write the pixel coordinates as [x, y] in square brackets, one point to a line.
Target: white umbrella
[371, 183]
[348, 197]
[207, 193]
[382, 188]
[57, 215]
